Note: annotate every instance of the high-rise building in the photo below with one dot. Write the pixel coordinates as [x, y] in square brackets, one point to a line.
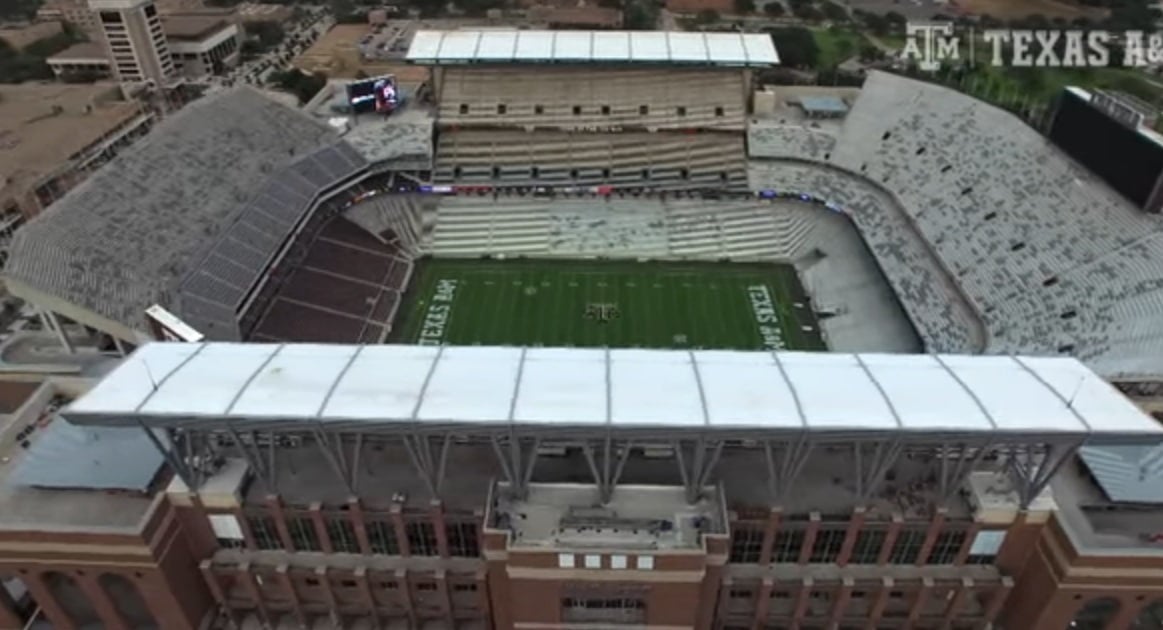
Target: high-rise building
[135, 39]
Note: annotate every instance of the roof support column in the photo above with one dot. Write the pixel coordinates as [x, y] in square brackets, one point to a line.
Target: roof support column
[175, 461]
[517, 462]
[957, 463]
[871, 474]
[50, 321]
[251, 455]
[430, 464]
[332, 449]
[782, 473]
[1032, 474]
[697, 473]
[612, 463]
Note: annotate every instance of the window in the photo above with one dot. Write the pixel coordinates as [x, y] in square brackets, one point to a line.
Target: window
[947, 546]
[342, 535]
[573, 173]
[150, 11]
[608, 610]
[605, 110]
[347, 583]
[266, 536]
[680, 110]
[463, 109]
[719, 112]
[456, 171]
[593, 561]
[421, 538]
[684, 173]
[577, 110]
[501, 109]
[742, 593]
[462, 539]
[643, 110]
[496, 172]
[867, 547]
[303, 534]
[617, 562]
[645, 563]
[826, 548]
[907, 546]
[382, 538]
[426, 586]
[746, 543]
[605, 173]
[723, 177]
[538, 109]
[311, 581]
[645, 173]
[464, 588]
[786, 547]
[110, 17]
[565, 561]
[535, 172]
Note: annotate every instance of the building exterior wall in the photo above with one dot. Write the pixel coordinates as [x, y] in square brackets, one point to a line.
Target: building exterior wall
[746, 580]
[157, 562]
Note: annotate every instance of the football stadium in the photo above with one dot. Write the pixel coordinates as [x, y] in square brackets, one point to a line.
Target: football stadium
[840, 364]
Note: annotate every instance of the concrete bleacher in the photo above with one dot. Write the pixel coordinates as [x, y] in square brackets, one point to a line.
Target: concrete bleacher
[994, 239]
[663, 161]
[795, 140]
[592, 98]
[393, 218]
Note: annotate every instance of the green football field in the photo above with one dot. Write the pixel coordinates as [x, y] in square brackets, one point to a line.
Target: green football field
[615, 304]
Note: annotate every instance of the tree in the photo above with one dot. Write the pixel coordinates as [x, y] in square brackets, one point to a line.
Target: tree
[302, 85]
[774, 9]
[870, 53]
[807, 12]
[743, 7]
[265, 35]
[834, 12]
[360, 74]
[707, 16]
[796, 45]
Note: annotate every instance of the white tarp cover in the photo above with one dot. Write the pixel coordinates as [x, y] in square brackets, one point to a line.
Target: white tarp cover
[501, 46]
[568, 387]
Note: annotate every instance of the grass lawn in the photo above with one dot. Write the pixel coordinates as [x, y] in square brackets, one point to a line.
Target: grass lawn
[599, 303]
[836, 45]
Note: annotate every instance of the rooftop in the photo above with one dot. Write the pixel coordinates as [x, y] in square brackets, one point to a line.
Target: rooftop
[823, 104]
[639, 518]
[650, 47]
[120, 241]
[192, 27]
[491, 388]
[42, 126]
[82, 51]
[32, 433]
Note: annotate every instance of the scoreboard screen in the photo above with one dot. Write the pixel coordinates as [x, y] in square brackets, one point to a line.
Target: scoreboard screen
[373, 95]
[1129, 161]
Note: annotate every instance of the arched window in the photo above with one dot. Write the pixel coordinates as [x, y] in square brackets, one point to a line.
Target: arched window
[1150, 618]
[128, 601]
[70, 598]
[1095, 614]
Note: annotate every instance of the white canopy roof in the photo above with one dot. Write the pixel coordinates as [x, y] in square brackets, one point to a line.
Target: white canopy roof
[504, 46]
[632, 389]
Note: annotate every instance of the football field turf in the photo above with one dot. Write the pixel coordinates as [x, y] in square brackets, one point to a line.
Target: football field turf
[598, 303]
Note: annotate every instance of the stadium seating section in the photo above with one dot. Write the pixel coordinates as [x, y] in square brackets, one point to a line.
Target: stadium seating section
[545, 158]
[598, 97]
[994, 240]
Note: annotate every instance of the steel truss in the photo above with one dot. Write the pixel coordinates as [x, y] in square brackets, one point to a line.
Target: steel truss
[1031, 460]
